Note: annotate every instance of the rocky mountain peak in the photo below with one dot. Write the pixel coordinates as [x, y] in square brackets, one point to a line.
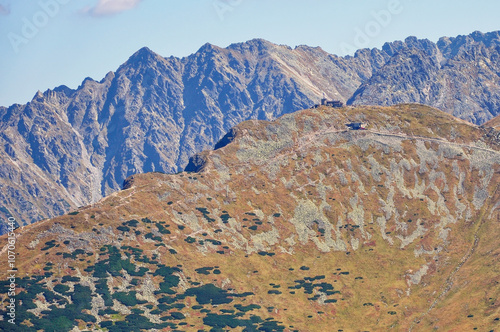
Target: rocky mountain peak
[453, 46]
[143, 57]
[209, 48]
[64, 89]
[438, 74]
[411, 42]
[252, 46]
[86, 82]
[109, 76]
[37, 97]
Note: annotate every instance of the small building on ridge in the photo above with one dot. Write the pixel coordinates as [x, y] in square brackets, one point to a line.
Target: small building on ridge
[330, 103]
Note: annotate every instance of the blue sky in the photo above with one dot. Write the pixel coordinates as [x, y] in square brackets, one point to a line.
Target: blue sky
[47, 43]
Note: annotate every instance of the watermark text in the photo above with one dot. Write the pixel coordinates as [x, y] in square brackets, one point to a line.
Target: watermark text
[12, 271]
[381, 19]
[222, 7]
[32, 26]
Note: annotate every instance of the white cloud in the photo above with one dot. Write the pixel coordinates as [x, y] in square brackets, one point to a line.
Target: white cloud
[110, 7]
[4, 10]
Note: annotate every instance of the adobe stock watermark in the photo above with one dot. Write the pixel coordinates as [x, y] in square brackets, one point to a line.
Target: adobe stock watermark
[12, 271]
[31, 26]
[222, 7]
[381, 19]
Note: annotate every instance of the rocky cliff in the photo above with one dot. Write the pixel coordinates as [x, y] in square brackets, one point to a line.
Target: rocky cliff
[458, 75]
[68, 148]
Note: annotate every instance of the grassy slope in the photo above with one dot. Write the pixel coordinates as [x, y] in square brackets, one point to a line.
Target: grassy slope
[331, 189]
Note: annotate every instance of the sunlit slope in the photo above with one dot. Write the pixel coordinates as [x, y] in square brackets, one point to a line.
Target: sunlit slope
[297, 224]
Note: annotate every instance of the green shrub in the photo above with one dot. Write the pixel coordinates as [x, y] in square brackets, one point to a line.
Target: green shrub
[106, 323]
[49, 244]
[209, 294]
[204, 270]
[61, 288]
[123, 228]
[70, 279]
[127, 298]
[162, 229]
[177, 315]
[189, 239]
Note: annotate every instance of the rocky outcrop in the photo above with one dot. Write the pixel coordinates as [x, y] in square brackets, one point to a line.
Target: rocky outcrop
[458, 75]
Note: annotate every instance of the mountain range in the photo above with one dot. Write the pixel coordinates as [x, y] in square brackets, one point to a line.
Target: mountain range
[70, 147]
[297, 224]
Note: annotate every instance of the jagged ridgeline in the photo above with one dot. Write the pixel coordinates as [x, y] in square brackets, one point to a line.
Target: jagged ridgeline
[300, 224]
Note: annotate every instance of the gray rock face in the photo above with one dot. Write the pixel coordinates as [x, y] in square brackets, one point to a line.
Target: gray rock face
[458, 75]
[68, 148]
